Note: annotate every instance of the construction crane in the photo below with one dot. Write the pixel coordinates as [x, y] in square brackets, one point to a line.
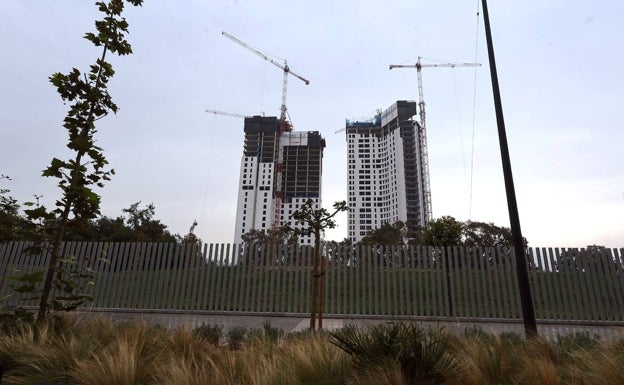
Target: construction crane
[424, 157]
[235, 114]
[283, 125]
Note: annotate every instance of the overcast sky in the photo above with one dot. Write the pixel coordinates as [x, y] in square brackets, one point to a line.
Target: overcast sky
[559, 65]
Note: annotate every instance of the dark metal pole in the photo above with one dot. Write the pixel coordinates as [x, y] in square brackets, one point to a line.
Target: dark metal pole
[526, 299]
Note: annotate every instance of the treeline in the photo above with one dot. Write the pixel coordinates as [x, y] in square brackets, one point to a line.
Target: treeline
[135, 224]
[444, 231]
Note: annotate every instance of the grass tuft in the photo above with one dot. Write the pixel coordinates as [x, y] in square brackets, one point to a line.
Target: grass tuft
[95, 351]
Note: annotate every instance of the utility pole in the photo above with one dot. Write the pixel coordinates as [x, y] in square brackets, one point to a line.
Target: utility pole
[526, 299]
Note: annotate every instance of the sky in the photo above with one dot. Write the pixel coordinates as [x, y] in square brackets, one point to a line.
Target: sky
[559, 67]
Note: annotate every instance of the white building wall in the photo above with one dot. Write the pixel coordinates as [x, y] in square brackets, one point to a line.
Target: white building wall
[375, 180]
[288, 208]
[255, 195]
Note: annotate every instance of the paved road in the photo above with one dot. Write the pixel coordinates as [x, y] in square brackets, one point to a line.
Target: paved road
[291, 323]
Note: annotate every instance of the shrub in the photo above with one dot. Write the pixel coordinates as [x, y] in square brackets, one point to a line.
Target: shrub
[577, 341]
[209, 333]
[478, 333]
[511, 338]
[422, 355]
[236, 337]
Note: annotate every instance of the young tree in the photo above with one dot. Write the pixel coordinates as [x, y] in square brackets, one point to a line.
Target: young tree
[314, 221]
[89, 101]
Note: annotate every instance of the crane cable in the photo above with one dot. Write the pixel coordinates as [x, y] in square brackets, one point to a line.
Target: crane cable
[459, 124]
[207, 178]
[474, 108]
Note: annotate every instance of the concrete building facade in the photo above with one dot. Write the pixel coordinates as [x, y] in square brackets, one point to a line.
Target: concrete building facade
[384, 171]
[301, 159]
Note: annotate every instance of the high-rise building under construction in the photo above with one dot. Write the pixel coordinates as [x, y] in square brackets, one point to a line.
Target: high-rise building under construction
[301, 163]
[386, 175]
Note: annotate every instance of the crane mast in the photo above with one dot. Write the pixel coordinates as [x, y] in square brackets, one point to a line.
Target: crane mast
[283, 125]
[424, 156]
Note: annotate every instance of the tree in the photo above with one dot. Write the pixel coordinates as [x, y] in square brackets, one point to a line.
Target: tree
[261, 244]
[191, 238]
[481, 234]
[311, 221]
[340, 252]
[444, 231]
[591, 258]
[89, 101]
[388, 234]
[145, 226]
[134, 225]
[12, 225]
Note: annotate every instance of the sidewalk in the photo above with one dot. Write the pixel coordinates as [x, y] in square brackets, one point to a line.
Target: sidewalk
[290, 323]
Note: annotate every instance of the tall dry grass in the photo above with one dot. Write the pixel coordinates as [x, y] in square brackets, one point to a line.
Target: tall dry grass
[99, 352]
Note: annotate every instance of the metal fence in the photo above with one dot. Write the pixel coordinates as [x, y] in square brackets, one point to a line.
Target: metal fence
[397, 281]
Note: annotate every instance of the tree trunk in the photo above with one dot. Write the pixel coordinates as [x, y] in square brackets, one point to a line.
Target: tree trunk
[313, 300]
[315, 278]
[321, 293]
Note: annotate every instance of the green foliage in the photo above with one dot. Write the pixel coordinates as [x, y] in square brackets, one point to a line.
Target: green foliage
[477, 333]
[569, 343]
[236, 337]
[209, 333]
[271, 334]
[89, 100]
[388, 234]
[481, 234]
[511, 338]
[592, 258]
[423, 356]
[12, 225]
[444, 231]
[13, 317]
[26, 283]
[311, 221]
[70, 282]
[258, 238]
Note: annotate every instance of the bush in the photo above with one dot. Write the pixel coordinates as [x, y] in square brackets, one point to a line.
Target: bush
[423, 356]
[271, 333]
[236, 337]
[576, 341]
[209, 333]
[477, 333]
[511, 338]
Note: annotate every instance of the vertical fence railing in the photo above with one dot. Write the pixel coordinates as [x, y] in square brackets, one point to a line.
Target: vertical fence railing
[455, 282]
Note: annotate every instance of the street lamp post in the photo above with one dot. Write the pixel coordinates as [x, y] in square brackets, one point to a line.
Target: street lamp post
[526, 300]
